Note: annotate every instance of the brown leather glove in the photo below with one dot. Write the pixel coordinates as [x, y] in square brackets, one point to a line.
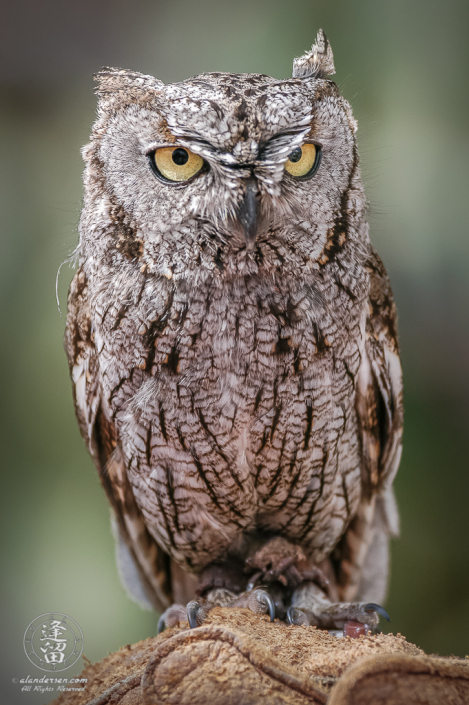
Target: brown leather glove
[238, 658]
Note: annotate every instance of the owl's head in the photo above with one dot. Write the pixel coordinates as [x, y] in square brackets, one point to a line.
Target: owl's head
[223, 168]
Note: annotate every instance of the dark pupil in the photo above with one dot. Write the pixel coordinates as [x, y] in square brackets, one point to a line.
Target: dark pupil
[296, 155]
[180, 156]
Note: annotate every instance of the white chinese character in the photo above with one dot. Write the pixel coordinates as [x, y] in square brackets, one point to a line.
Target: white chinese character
[55, 644]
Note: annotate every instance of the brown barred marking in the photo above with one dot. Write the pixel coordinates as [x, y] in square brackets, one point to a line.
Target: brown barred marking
[166, 132]
[335, 241]
[309, 426]
[128, 243]
[172, 361]
[162, 423]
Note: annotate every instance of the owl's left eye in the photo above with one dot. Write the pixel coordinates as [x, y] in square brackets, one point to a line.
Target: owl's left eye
[175, 164]
[304, 161]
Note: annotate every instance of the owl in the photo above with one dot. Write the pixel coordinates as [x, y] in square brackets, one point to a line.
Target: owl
[231, 337]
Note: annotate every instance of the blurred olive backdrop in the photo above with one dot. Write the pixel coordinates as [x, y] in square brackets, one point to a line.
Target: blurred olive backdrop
[403, 65]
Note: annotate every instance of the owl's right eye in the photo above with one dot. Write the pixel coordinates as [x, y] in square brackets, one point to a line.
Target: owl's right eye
[175, 164]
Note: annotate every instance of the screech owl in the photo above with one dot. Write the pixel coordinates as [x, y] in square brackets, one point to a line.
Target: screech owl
[231, 336]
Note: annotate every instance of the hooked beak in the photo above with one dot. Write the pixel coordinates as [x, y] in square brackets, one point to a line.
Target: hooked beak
[249, 211]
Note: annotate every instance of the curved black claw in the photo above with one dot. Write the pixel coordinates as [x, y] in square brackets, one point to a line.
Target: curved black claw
[261, 598]
[265, 599]
[161, 625]
[195, 614]
[296, 616]
[372, 607]
[192, 617]
[252, 582]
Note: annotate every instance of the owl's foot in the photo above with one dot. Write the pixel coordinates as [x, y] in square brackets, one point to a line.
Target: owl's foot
[193, 613]
[281, 561]
[310, 606]
[258, 601]
[171, 617]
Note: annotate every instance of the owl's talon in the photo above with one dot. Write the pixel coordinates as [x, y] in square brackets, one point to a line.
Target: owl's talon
[192, 617]
[296, 616]
[161, 625]
[195, 614]
[372, 607]
[252, 582]
[260, 602]
[171, 617]
[326, 614]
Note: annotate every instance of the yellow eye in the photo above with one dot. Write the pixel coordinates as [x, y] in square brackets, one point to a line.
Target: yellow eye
[177, 163]
[304, 160]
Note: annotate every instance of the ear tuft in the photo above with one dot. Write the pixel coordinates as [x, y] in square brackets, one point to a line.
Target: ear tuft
[316, 63]
[110, 80]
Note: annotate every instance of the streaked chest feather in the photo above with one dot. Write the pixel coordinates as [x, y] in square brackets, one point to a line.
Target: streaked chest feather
[240, 408]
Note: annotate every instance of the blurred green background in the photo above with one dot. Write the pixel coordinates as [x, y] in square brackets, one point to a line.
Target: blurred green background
[403, 66]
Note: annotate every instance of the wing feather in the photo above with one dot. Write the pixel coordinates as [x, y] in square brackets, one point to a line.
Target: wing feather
[380, 421]
[144, 566]
[379, 391]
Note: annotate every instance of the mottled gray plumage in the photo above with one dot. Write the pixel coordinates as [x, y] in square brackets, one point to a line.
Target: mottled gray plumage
[233, 389]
